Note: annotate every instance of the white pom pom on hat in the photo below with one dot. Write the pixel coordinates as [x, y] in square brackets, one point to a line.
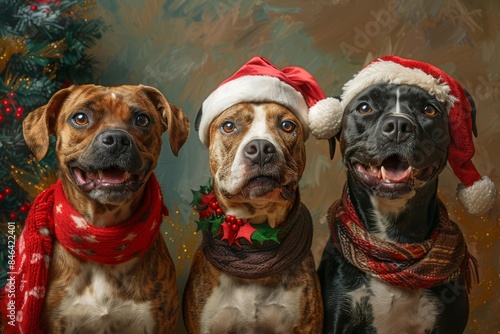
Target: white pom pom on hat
[260, 81]
[476, 193]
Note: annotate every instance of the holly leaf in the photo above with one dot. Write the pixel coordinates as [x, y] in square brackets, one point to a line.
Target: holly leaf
[204, 214]
[246, 231]
[228, 233]
[203, 225]
[207, 188]
[216, 224]
[264, 232]
[196, 198]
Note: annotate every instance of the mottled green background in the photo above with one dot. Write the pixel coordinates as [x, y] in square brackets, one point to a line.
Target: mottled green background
[186, 48]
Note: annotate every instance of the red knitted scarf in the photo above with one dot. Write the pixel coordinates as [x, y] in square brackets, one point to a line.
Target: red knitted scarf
[435, 261]
[53, 218]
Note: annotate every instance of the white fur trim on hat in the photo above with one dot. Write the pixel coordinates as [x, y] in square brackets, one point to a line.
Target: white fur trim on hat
[252, 88]
[479, 198]
[383, 71]
[325, 118]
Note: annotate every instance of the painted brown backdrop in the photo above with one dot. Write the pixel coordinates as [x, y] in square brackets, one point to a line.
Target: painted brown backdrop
[186, 48]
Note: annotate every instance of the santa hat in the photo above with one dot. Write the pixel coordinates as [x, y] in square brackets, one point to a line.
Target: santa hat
[260, 81]
[476, 193]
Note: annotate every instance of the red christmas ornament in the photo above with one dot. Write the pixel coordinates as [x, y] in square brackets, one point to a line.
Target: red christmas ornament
[5, 102]
[34, 7]
[19, 115]
[214, 205]
[58, 2]
[20, 109]
[235, 227]
[239, 221]
[1, 118]
[2, 197]
[12, 94]
[28, 205]
[7, 191]
[23, 208]
[8, 110]
[219, 211]
[13, 215]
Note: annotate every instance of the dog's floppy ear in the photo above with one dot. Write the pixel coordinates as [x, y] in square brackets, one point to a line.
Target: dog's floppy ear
[472, 113]
[173, 119]
[41, 123]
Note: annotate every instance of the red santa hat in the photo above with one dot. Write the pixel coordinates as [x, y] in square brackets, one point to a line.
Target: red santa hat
[476, 193]
[260, 81]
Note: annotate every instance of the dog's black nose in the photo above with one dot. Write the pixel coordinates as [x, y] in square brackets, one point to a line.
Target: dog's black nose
[259, 151]
[397, 128]
[115, 140]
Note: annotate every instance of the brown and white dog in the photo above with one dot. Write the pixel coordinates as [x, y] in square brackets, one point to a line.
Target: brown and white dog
[257, 156]
[108, 144]
[254, 271]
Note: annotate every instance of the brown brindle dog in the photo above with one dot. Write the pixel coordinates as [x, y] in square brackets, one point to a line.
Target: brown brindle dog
[108, 144]
[257, 157]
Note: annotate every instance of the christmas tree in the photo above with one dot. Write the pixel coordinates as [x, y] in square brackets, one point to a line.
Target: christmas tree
[43, 46]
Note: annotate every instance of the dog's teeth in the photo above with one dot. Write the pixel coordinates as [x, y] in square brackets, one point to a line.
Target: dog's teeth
[101, 175]
[384, 173]
[127, 176]
[374, 169]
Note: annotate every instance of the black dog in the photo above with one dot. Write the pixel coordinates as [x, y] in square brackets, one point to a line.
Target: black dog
[394, 143]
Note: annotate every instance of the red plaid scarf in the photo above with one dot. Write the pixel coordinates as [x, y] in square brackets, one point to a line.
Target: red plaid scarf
[52, 217]
[435, 261]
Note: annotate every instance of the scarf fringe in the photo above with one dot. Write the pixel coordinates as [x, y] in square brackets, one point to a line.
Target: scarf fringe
[471, 272]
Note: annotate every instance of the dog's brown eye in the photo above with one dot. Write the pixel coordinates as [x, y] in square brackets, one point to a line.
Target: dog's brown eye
[288, 126]
[364, 108]
[430, 110]
[80, 119]
[142, 120]
[228, 127]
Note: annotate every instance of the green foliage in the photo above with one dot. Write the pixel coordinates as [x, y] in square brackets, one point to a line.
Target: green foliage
[43, 47]
[265, 232]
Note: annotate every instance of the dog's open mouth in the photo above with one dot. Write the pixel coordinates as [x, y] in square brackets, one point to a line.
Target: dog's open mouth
[112, 177]
[394, 173]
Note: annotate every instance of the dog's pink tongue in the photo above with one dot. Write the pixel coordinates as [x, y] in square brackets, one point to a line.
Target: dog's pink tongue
[112, 176]
[395, 171]
[396, 175]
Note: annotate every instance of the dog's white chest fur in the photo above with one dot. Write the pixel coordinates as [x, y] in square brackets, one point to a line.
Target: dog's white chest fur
[397, 310]
[244, 307]
[98, 308]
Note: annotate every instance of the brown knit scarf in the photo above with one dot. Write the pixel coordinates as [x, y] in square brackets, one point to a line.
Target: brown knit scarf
[253, 260]
[435, 261]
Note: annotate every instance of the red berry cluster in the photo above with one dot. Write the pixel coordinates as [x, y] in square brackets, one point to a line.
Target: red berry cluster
[43, 2]
[9, 104]
[6, 192]
[234, 222]
[214, 204]
[22, 209]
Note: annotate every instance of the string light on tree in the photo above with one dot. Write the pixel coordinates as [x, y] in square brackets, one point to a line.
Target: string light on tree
[43, 48]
